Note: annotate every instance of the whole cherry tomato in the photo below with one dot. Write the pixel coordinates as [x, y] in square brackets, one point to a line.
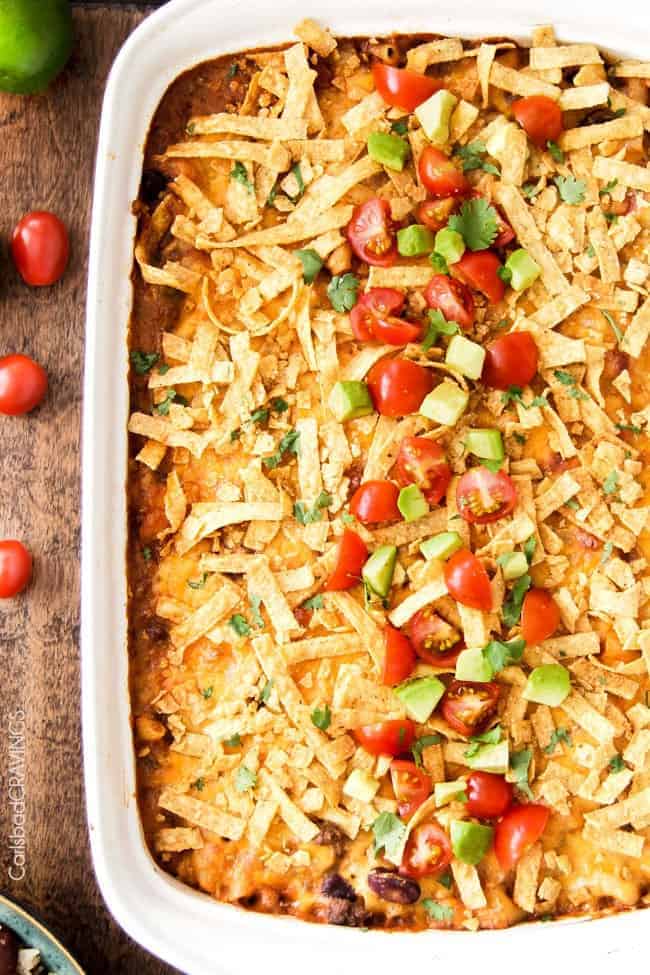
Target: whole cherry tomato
[479, 269]
[386, 737]
[468, 707]
[488, 795]
[428, 851]
[467, 580]
[439, 175]
[434, 214]
[510, 361]
[23, 384]
[422, 461]
[398, 386]
[402, 88]
[371, 233]
[540, 117]
[540, 616]
[434, 639]
[399, 657]
[40, 248]
[411, 786]
[352, 556]
[375, 501]
[452, 298]
[373, 304]
[483, 496]
[15, 568]
[517, 831]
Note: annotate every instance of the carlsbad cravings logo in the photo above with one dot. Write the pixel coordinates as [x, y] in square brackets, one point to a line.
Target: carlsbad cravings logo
[16, 793]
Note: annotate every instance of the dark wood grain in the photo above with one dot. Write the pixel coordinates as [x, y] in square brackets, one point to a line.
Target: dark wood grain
[47, 148]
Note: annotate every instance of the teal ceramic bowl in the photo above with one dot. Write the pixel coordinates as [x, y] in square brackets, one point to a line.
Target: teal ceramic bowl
[31, 932]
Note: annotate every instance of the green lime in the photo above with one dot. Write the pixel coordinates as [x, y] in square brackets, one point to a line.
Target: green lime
[35, 43]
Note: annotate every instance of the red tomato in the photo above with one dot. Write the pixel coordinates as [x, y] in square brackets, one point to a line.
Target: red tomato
[15, 568]
[395, 331]
[399, 656]
[468, 707]
[428, 851]
[411, 786]
[518, 830]
[352, 556]
[467, 580]
[422, 461]
[371, 233]
[435, 640]
[40, 248]
[403, 88]
[23, 384]
[452, 298]
[483, 496]
[479, 269]
[434, 214]
[439, 175]
[398, 386]
[510, 361]
[373, 304]
[540, 616]
[488, 795]
[387, 737]
[375, 501]
[540, 116]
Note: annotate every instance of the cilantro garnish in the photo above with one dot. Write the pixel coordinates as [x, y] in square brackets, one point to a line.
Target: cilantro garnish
[147, 553]
[505, 274]
[418, 746]
[290, 444]
[389, 833]
[591, 251]
[199, 583]
[400, 126]
[307, 516]
[314, 602]
[446, 880]
[299, 180]
[519, 765]
[610, 484]
[608, 548]
[529, 548]
[439, 912]
[571, 190]
[559, 735]
[500, 655]
[515, 394]
[491, 737]
[171, 396]
[573, 504]
[239, 624]
[321, 717]
[617, 764]
[240, 175]
[472, 157]
[342, 291]
[610, 217]
[530, 190]
[440, 265]
[207, 692]
[477, 223]
[438, 325]
[270, 200]
[628, 428]
[567, 379]
[520, 438]
[260, 415]
[199, 784]
[492, 465]
[245, 779]
[279, 405]
[235, 434]
[163, 368]
[608, 187]
[311, 261]
[233, 742]
[232, 70]
[512, 606]
[612, 324]
[347, 518]
[142, 362]
[556, 153]
[265, 693]
[255, 602]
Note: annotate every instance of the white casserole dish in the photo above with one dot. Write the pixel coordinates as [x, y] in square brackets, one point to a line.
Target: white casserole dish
[188, 929]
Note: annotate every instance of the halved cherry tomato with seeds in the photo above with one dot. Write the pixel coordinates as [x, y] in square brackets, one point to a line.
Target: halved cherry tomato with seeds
[434, 214]
[467, 580]
[402, 88]
[422, 461]
[439, 175]
[386, 737]
[479, 269]
[15, 568]
[540, 616]
[517, 831]
[510, 361]
[371, 233]
[399, 656]
[434, 639]
[396, 331]
[398, 386]
[373, 304]
[411, 786]
[540, 117]
[468, 707]
[375, 501]
[483, 496]
[428, 851]
[452, 298]
[488, 795]
[352, 556]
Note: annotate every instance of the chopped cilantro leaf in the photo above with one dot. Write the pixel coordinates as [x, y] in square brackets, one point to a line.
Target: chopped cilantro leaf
[311, 261]
[500, 655]
[290, 444]
[239, 624]
[400, 126]
[530, 190]
[207, 692]
[628, 428]
[245, 779]
[255, 603]
[512, 605]
[556, 153]
[492, 465]
[439, 912]
[307, 516]
[617, 764]
[608, 187]
[235, 435]
[418, 746]
[297, 172]
[314, 602]
[389, 833]
[520, 438]
[270, 200]
[347, 518]
[491, 737]
[608, 548]
[147, 553]
[519, 765]
[505, 274]
[591, 251]
[199, 583]
[515, 394]
[571, 190]
[610, 484]
[163, 368]
[446, 880]
[529, 548]
[438, 325]
[477, 223]
[573, 504]
[260, 415]
[321, 717]
[266, 692]
[142, 362]
[171, 396]
[342, 291]
[199, 784]
[612, 324]
[233, 742]
[610, 217]
[279, 405]
[440, 265]
[558, 735]
[232, 70]
[472, 157]
[568, 380]
[240, 175]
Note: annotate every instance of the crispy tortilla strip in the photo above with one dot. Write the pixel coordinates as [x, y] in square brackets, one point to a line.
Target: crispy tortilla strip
[387, 438]
[194, 198]
[354, 691]
[318, 647]
[326, 191]
[372, 640]
[237, 401]
[262, 583]
[298, 823]
[604, 599]
[636, 334]
[434, 52]
[555, 311]
[564, 56]
[484, 61]
[316, 37]
[615, 841]
[321, 150]
[475, 623]
[208, 517]
[608, 262]
[310, 481]
[251, 126]
[362, 361]
[627, 127]
[203, 815]
[530, 237]
[588, 718]
[260, 822]
[637, 177]
[404, 277]
[469, 885]
[205, 618]
[302, 322]
[527, 878]
[561, 490]
[417, 600]
[595, 677]
[172, 275]
[175, 501]
[259, 489]
[557, 349]
[294, 231]
[519, 83]
[413, 531]
[462, 119]
[274, 157]
[627, 811]
[633, 107]
[586, 96]
[177, 839]
[300, 101]
[514, 532]
[220, 372]
[152, 454]
[368, 110]
[632, 69]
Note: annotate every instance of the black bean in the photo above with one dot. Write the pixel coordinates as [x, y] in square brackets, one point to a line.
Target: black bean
[152, 185]
[156, 629]
[8, 952]
[352, 914]
[331, 835]
[334, 885]
[391, 887]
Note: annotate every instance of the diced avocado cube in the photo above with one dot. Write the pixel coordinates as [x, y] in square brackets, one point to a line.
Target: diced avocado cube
[466, 356]
[361, 785]
[449, 244]
[378, 570]
[412, 503]
[445, 404]
[491, 758]
[548, 684]
[414, 241]
[420, 697]
[513, 565]
[388, 150]
[486, 444]
[472, 665]
[470, 841]
[434, 115]
[444, 792]
[350, 399]
[441, 546]
[523, 269]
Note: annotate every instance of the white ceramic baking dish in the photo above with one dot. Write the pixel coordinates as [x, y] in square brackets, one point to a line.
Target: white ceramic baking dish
[186, 928]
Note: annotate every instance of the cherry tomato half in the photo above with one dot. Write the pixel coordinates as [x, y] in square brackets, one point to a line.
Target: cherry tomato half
[488, 795]
[371, 233]
[422, 461]
[483, 496]
[387, 737]
[40, 248]
[428, 851]
[398, 386]
[439, 175]
[517, 831]
[434, 214]
[352, 556]
[510, 361]
[411, 786]
[373, 304]
[403, 88]
[452, 298]
[479, 269]
[399, 657]
[467, 580]
[540, 116]
[434, 639]
[15, 568]
[375, 501]
[540, 616]
[23, 384]
[468, 707]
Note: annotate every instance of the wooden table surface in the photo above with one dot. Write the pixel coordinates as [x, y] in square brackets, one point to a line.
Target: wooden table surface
[47, 149]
